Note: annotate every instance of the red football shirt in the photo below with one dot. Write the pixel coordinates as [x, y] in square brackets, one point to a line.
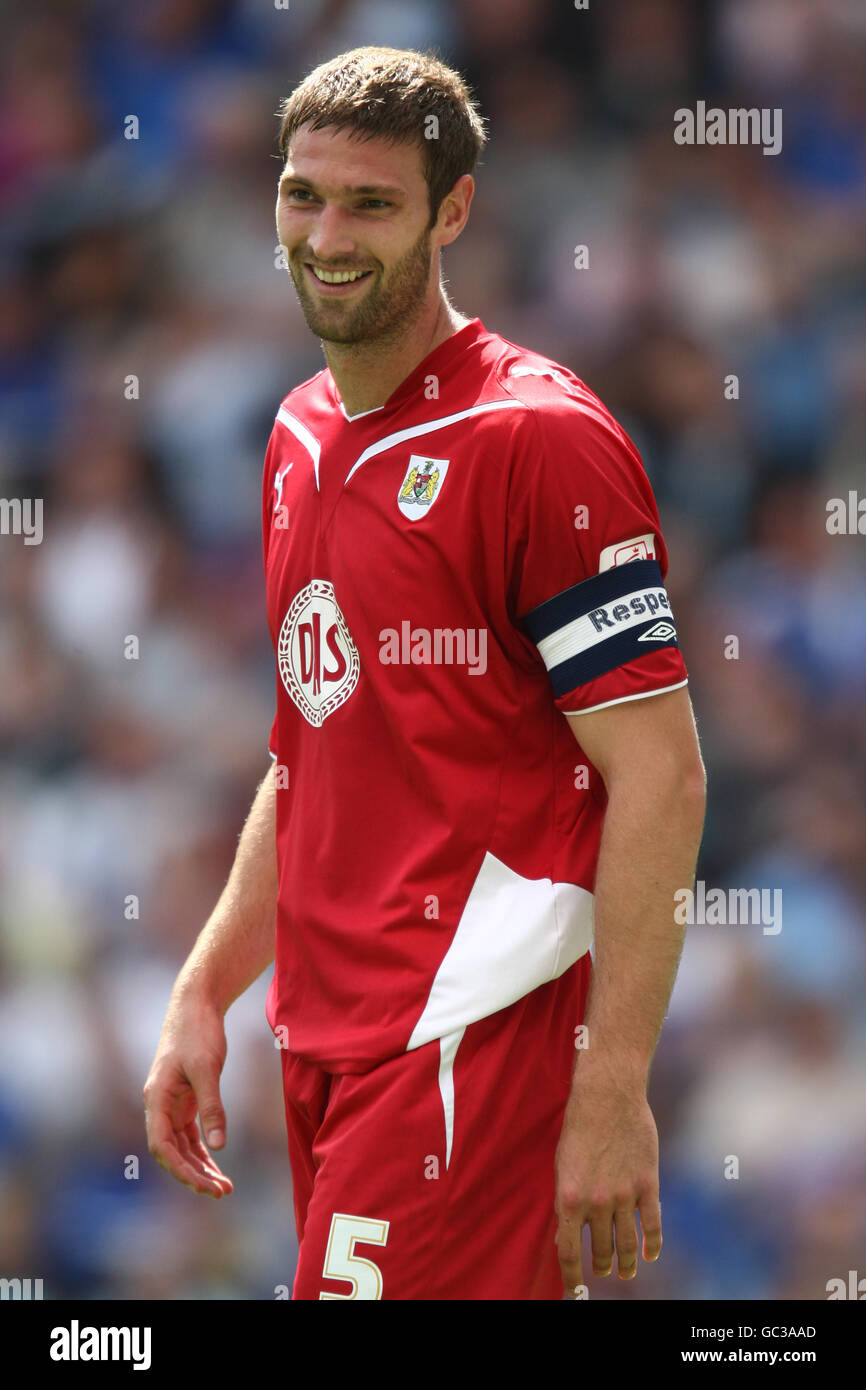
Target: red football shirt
[447, 576]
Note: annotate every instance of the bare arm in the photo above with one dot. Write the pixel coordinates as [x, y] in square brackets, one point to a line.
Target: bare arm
[237, 941]
[647, 752]
[234, 947]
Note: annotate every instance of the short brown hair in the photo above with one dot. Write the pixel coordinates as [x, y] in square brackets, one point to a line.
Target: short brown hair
[391, 93]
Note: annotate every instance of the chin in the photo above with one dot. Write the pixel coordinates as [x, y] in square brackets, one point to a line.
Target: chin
[331, 332]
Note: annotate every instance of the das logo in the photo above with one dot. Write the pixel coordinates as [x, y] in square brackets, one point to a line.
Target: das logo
[317, 658]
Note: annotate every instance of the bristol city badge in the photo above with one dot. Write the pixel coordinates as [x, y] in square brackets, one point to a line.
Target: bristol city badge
[317, 659]
[421, 485]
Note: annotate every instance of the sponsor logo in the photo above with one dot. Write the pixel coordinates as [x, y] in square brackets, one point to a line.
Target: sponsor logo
[317, 659]
[662, 632]
[638, 548]
[421, 485]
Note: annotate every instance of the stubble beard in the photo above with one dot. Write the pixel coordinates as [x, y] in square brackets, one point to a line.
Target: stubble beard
[386, 310]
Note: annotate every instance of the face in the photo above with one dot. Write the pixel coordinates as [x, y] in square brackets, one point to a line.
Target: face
[346, 205]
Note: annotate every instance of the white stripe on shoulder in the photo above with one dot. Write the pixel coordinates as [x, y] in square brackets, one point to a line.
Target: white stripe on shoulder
[414, 430]
[301, 433]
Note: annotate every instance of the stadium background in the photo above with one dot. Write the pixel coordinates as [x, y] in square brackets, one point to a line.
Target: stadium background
[157, 257]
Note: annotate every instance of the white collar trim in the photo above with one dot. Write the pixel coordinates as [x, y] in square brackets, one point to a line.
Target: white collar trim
[360, 412]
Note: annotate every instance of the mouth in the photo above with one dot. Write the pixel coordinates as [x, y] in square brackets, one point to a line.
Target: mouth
[337, 283]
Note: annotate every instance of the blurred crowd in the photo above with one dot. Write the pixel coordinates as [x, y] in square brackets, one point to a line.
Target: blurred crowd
[147, 336]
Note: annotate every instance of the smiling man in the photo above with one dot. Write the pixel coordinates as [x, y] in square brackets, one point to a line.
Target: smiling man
[338, 304]
[440, 843]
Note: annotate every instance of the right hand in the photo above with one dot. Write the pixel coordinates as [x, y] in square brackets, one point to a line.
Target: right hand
[184, 1082]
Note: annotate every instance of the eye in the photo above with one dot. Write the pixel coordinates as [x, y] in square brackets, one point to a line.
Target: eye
[375, 202]
[303, 193]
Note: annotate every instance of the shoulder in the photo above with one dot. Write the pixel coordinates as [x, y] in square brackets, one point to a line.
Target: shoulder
[557, 400]
[294, 419]
[565, 426]
[307, 394]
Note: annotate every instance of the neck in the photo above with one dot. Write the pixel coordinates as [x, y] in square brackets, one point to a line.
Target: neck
[366, 374]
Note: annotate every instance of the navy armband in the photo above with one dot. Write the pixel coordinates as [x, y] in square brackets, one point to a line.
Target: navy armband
[602, 623]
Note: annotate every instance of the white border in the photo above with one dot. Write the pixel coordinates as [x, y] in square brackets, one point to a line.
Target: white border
[359, 413]
[427, 427]
[623, 699]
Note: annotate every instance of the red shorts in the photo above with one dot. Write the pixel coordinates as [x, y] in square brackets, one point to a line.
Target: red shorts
[432, 1175]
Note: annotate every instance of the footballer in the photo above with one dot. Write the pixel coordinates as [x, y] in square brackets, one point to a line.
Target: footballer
[485, 783]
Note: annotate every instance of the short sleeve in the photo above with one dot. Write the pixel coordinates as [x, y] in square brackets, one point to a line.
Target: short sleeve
[587, 560]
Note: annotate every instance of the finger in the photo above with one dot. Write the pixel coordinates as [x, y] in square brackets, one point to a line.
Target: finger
[651, 1225]
[601, 1228]
[183, 1171]
[163, 1146]
[215, 1181]
[626, 1242]
[198, 1151]
[198, 1147]
[569, 1229]
[205, 1082]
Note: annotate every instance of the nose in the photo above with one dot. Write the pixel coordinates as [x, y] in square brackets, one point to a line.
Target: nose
[329, 236]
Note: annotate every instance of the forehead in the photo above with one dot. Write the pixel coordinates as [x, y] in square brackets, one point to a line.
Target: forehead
[333, 159]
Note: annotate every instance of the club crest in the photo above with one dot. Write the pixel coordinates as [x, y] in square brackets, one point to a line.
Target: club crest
[421, 485]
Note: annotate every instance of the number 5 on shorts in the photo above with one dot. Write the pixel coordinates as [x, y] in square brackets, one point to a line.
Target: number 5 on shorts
[341, 1262]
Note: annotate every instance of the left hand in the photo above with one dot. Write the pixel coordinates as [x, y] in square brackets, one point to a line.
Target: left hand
[606, 1166]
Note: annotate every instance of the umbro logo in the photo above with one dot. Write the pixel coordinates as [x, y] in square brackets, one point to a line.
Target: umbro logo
[660, 632]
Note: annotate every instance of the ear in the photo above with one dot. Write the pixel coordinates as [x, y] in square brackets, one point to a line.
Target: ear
[454, 211]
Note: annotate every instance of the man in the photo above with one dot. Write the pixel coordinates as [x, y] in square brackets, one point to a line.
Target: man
[465, 591]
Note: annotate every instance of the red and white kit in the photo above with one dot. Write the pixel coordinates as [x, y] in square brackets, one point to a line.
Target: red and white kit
[447, 576]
